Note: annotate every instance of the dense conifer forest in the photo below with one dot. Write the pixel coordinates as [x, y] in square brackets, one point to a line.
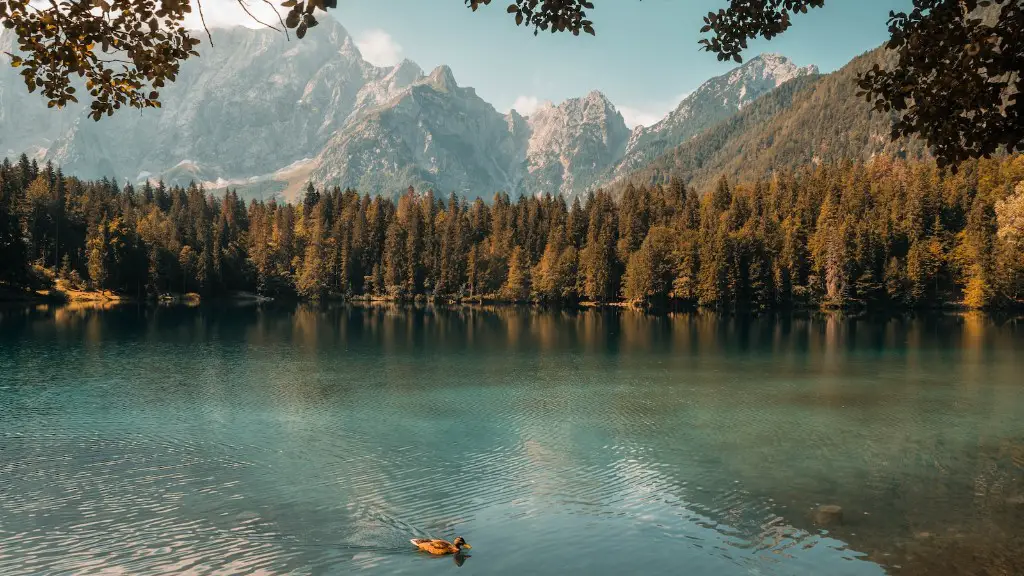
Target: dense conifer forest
[888, 233]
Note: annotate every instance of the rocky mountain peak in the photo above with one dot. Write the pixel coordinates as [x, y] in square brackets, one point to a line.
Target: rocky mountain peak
[403, 74]
[572, 143]
[258, 108]
[771, 67]
[597, 97]
[407, 68]
[348, 47]
[712, 102]
[442, 79]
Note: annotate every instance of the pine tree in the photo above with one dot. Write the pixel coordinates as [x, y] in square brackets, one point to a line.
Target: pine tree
[634, 219]
[651, 270]
[598, 260]
[517, 285]
[219, 249]
[412, 222]
[206, 273]
[35, 223]
[712, 275]
[452, 270]
[567, 275]
[97, 249]
[187, 261]
[1010, 216]
[721, 197]
[312, 281]
[888, 232]
[376, 280]
[13, 254]
[690, 215]
[394, 261]
[547, 281]
[975, 254]
[829, 252]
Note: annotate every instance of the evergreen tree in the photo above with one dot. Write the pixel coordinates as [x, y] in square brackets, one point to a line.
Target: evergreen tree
[393, 266]
[885, 233]
[312, 281]
[721, 197]
[187, 259]
[651, 270]
[97, 248]
[517, 285]
[13, 254]
[452, 270]
[576, 225]
[547, 280]
[711, 287]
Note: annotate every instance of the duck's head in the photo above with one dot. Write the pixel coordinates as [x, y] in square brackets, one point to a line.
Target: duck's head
[460, 543]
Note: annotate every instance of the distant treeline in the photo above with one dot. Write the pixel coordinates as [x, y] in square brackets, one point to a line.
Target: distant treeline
[885, 234]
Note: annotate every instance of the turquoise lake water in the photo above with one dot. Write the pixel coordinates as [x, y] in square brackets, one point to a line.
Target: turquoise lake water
[319, 441]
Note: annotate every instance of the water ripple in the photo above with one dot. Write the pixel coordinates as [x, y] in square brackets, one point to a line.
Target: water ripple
[297, 443]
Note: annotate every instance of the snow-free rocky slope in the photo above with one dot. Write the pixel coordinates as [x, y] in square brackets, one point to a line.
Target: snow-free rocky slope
[256, 109]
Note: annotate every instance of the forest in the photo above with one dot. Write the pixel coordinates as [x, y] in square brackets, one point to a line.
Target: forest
[888, 233]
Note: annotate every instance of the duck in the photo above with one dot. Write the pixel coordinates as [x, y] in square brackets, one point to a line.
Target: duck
[441, 547]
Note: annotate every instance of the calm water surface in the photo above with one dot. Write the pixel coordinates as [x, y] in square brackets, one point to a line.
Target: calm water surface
[318, 441]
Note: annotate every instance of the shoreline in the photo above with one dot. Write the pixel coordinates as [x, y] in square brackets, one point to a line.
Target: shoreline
[60, 292]
[63, 296]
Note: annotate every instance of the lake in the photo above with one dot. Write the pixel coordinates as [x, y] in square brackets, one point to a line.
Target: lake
[303, 440]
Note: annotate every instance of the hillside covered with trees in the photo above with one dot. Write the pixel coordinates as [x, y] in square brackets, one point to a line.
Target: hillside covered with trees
[887, 233]
[807, 121]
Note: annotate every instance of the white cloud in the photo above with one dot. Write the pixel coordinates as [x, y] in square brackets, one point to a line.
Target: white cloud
[636, 117]
[526, 105]
[648, 114]
[379, 48]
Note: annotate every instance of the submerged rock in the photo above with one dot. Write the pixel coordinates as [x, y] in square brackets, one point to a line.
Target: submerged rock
[828, 515]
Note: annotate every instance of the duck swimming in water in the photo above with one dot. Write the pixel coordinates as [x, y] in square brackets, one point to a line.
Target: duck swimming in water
[440, 547]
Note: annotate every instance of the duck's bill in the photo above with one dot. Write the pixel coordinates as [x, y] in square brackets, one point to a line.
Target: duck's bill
[466, 546]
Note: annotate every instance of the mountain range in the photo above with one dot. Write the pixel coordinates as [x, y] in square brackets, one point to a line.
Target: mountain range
[266, 115]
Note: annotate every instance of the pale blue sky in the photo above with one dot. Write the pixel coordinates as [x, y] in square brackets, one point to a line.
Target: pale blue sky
[645, 56]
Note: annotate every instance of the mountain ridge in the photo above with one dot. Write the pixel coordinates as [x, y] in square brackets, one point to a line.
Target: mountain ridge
[806, 122]
[259, 111]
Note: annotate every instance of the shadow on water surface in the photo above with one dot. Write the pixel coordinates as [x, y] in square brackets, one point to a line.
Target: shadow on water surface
[359, 425]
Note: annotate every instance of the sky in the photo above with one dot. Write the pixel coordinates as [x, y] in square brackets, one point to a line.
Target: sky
[645, 56]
